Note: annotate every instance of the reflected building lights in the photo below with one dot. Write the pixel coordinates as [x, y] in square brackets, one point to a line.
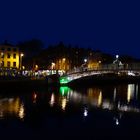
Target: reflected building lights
[114, 96]
[137, 87]
[94, 98]
[11, 106]
[64, 102]
[34, 97]
[100, 98]
[130, 92]
[21, 111]
[1, 115]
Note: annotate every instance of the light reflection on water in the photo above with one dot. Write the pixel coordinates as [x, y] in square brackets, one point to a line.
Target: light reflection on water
[123, 97]
[120, 98]
[102, 109]
[11, 107]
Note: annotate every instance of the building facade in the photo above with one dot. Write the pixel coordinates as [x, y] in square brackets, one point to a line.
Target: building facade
[9, 56]
[63, 64]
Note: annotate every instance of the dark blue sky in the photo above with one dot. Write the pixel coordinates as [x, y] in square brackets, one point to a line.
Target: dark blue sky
[112, 26]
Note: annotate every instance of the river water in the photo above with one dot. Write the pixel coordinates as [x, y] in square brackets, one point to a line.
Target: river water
[95, 112]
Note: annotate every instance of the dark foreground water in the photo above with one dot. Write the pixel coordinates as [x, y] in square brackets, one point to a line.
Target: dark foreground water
[97, 112]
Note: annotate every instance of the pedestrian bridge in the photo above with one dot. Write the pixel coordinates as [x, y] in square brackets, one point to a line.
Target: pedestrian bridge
[70, 76]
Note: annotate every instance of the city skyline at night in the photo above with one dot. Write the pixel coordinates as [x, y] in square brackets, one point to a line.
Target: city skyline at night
[109, 26]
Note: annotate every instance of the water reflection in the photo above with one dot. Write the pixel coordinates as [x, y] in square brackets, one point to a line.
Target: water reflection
[63, 103]
[117, 98]
[34, 97]
[130, 92]
[52, 101]
[11, 107]
[85, 112]
[123, 98]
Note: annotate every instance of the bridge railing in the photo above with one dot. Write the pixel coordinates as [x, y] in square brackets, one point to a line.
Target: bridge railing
[109, 68]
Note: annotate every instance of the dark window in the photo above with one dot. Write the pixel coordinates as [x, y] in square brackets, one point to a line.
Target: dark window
[14, 64]
[8, 55]
[8, 49]
[15, 49]
[14, 55]
[2, 63]
[2, 49]
[8, 63]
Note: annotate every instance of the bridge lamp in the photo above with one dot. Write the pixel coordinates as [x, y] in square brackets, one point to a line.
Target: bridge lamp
[53, 65]
[21, 56]
[117, 56]
[85, 60]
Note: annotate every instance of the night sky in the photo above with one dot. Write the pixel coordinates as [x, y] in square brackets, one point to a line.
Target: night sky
[112, 26]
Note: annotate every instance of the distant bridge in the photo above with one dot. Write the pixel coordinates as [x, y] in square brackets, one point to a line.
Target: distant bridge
[70, 76]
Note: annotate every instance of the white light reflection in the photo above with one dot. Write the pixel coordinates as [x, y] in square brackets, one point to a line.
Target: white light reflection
[21, 112]
[137, 91]
[130, 92]
[10, 106]
[85, 112]
[52, 101]
[117, 122]
[114, 96]
[63, 92]
[100, 99]
[34, 97]
[64, 102]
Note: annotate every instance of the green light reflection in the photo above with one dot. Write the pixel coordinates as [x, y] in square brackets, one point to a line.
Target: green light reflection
[64, 90]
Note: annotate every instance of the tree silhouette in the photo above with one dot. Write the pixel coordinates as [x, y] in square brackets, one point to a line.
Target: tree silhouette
[31, 47]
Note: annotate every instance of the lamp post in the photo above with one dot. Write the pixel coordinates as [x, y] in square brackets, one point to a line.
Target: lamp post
[84, 65]
[52, 65]
[2, 59]
[85, 60]
[20, 66]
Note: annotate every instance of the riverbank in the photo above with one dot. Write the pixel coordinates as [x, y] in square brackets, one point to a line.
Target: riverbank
[13, 83]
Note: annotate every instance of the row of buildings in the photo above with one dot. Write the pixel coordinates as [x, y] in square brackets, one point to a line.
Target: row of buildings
[59, 57]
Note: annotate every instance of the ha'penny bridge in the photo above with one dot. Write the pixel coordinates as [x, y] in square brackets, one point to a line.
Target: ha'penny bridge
[109, 74]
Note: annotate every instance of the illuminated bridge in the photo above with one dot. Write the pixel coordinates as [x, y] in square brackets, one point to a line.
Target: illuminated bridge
[71, 76]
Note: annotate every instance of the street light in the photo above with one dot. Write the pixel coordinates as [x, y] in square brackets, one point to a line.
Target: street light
[21, 55]
[85, 60]
[53, 66]
[117, 56]
[2, 62]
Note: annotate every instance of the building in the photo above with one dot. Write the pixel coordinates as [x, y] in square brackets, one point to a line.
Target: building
[63, 64]
[10, 56]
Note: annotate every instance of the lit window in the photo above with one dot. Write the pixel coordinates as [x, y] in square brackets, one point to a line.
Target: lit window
[2, 55]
